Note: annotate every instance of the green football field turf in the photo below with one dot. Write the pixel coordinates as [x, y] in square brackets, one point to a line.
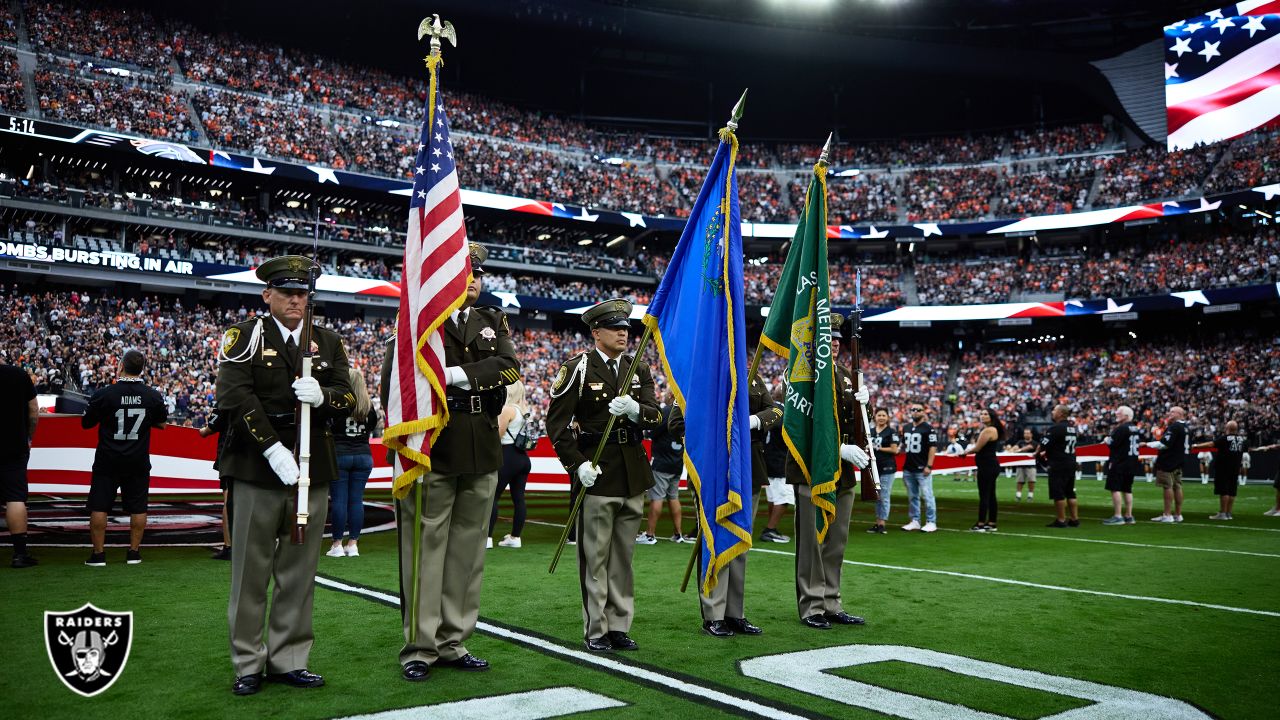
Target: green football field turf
[1188, 612]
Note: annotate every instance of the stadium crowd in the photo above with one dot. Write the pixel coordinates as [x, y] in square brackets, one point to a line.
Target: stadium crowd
[13, 96]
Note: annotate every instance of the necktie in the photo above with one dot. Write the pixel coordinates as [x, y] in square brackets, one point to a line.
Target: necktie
[613, 369]
[292, 348]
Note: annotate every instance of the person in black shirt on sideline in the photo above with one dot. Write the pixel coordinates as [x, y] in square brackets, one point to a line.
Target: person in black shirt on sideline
[355, 462]
[1058, 450]
[1122, 465]
[1173, 446]
[1226, 467]
[18, 413]
[125, 413]
[217, 423]
[887, 443]
[920, 446]
[984, 452]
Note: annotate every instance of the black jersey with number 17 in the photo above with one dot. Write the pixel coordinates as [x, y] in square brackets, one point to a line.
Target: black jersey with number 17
[1059, 445]
[124, 412]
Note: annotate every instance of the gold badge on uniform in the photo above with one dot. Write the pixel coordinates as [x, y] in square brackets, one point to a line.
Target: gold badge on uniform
[229, 339]
[315, 347]
[596, 386]
[560, 378]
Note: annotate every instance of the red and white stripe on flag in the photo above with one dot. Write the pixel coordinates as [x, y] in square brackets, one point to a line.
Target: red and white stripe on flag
[437, 270]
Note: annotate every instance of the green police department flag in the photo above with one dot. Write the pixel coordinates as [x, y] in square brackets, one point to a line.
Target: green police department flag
[799, 328]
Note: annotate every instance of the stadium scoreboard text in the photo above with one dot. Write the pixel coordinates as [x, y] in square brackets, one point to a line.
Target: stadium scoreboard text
[95, 258]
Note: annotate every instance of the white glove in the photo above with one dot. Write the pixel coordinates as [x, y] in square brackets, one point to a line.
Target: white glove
[1106, 440]
[753, 423]
[625, 406]
[282, 462]
[855, 455]
[587, 474]
[456, 377]
[863, 395]
[1155, 444]
[307, 390]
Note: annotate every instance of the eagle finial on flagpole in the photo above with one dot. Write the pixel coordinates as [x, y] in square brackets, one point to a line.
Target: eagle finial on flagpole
[436, 29]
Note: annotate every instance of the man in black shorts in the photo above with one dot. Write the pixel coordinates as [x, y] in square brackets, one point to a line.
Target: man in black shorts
[125, 412]
[1226, 467]
[1058, 450]
[1122, 465]
[18, 413]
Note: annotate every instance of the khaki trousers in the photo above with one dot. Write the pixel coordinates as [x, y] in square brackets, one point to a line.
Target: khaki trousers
[726, 598]
[455, 523]
[818, 566]
[262, 521]
[607, 528]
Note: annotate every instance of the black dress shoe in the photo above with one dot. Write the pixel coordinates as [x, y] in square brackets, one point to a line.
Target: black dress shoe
[466, 662]
[742, 625]
[297, 678]
[223, 554]
[600, 644]
[717, 628]
[844, 618]
[620, 641]
[817, 621]
[247, 684]
[415, 671]
[23, 561]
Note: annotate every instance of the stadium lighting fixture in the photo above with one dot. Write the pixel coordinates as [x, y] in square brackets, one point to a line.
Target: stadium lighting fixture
[615, 241]
[585, 242]
[911, 248]
[544, 236]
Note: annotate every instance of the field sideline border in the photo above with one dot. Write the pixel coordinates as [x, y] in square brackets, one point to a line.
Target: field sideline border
[697, 690]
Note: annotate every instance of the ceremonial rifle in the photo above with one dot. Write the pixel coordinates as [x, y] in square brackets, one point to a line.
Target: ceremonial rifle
[870, 485]
[301, 410]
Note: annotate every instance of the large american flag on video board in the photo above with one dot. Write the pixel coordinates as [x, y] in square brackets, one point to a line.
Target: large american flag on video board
[1222, 73]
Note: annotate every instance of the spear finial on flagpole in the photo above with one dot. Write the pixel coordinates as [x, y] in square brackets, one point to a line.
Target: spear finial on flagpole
[825, 157]
[737, 111]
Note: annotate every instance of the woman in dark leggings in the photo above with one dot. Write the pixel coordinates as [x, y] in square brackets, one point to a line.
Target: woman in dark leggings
[514, 472]
[984, 452]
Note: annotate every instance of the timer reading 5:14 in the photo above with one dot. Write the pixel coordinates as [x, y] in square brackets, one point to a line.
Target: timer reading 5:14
[22, 125]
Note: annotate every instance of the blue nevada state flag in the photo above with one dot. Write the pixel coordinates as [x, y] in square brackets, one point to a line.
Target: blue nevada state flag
[697, 317]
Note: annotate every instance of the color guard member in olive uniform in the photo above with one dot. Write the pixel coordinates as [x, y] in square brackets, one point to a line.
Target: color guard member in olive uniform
[819, 565]
[722, 610]
[585, 393]
[256, 393]
[480, 361]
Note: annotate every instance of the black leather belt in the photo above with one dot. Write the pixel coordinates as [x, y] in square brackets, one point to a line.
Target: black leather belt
[282, 420]
[467, 403]
[621, 436]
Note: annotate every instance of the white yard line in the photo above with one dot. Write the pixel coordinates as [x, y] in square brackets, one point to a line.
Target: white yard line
[742, 705]
[1058, 588]
[1002, 533]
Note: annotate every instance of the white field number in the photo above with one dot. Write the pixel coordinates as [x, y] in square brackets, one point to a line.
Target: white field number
[806, 671]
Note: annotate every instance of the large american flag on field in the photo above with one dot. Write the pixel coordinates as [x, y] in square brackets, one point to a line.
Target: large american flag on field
[1222, 73]
[437, 270]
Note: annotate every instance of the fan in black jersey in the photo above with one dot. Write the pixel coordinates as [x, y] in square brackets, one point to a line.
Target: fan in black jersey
[1122, 465]
[886, 441]
[1229, 447]
[1058, 450]
[1173, 446]
[125, 413]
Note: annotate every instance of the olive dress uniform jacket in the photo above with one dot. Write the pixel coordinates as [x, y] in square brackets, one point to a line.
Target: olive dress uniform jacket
[482, 349]
[761, 404]
[845, 412]
[582, 395]
[257, 400]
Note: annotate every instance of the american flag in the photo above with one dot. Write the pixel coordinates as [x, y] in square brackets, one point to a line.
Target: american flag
[1222, 73]
[437, 270]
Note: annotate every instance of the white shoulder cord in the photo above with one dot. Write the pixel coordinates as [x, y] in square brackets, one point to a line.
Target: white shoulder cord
[245, 355]
[579, 375]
